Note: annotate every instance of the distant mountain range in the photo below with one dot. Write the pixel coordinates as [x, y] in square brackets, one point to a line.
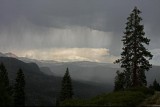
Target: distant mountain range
[44, 77]
[9, 54]
[42, 87]
[85, 70]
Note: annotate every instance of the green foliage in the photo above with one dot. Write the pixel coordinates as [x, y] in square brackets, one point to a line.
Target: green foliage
[5, 89]
[19, 93]
[155, 85]
[118, 98]
[119, 81]
[4, 75]
[74, 102]
[135, 57]
[66, 88]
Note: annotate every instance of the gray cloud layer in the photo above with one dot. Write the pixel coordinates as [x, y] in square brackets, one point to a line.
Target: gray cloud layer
[27, 24]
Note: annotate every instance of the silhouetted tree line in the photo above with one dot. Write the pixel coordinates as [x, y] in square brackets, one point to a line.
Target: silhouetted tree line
[134, 57]
[14, 95]
[11, 95]
[155, 85]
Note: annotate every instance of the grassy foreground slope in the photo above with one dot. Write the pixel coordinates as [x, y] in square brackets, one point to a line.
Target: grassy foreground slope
[130, 97]
[152, 100]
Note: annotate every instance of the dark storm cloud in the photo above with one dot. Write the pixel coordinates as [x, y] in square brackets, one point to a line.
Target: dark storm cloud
[24, 24]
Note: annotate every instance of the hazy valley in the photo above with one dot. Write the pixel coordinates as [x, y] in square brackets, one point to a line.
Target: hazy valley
[43, 78]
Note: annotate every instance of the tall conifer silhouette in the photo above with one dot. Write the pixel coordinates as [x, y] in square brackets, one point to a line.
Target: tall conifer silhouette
[66, 88]
[19, 95]
[135, 57]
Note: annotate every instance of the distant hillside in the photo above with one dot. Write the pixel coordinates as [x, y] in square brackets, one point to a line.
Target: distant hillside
[152, 74]
[95, 72]
[84, 71]
[42, 89]
[9, 54]
[46, 71]
[87, 71]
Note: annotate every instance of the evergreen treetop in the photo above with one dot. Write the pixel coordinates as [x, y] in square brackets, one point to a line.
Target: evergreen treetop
[135, 57]
[4, 75]
[19, 89]
[5, 89]
[66, 88]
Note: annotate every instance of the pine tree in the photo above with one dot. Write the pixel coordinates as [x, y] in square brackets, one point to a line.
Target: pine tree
[19, 92]
[119, 81]
[155, 85]
[4, 75]
[66, 88]
[135, 57]
[5, 89]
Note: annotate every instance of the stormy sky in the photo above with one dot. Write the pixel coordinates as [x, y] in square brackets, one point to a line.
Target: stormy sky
[73, 30]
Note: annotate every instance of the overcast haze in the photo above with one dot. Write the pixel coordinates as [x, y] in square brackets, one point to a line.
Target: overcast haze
[73, 30]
